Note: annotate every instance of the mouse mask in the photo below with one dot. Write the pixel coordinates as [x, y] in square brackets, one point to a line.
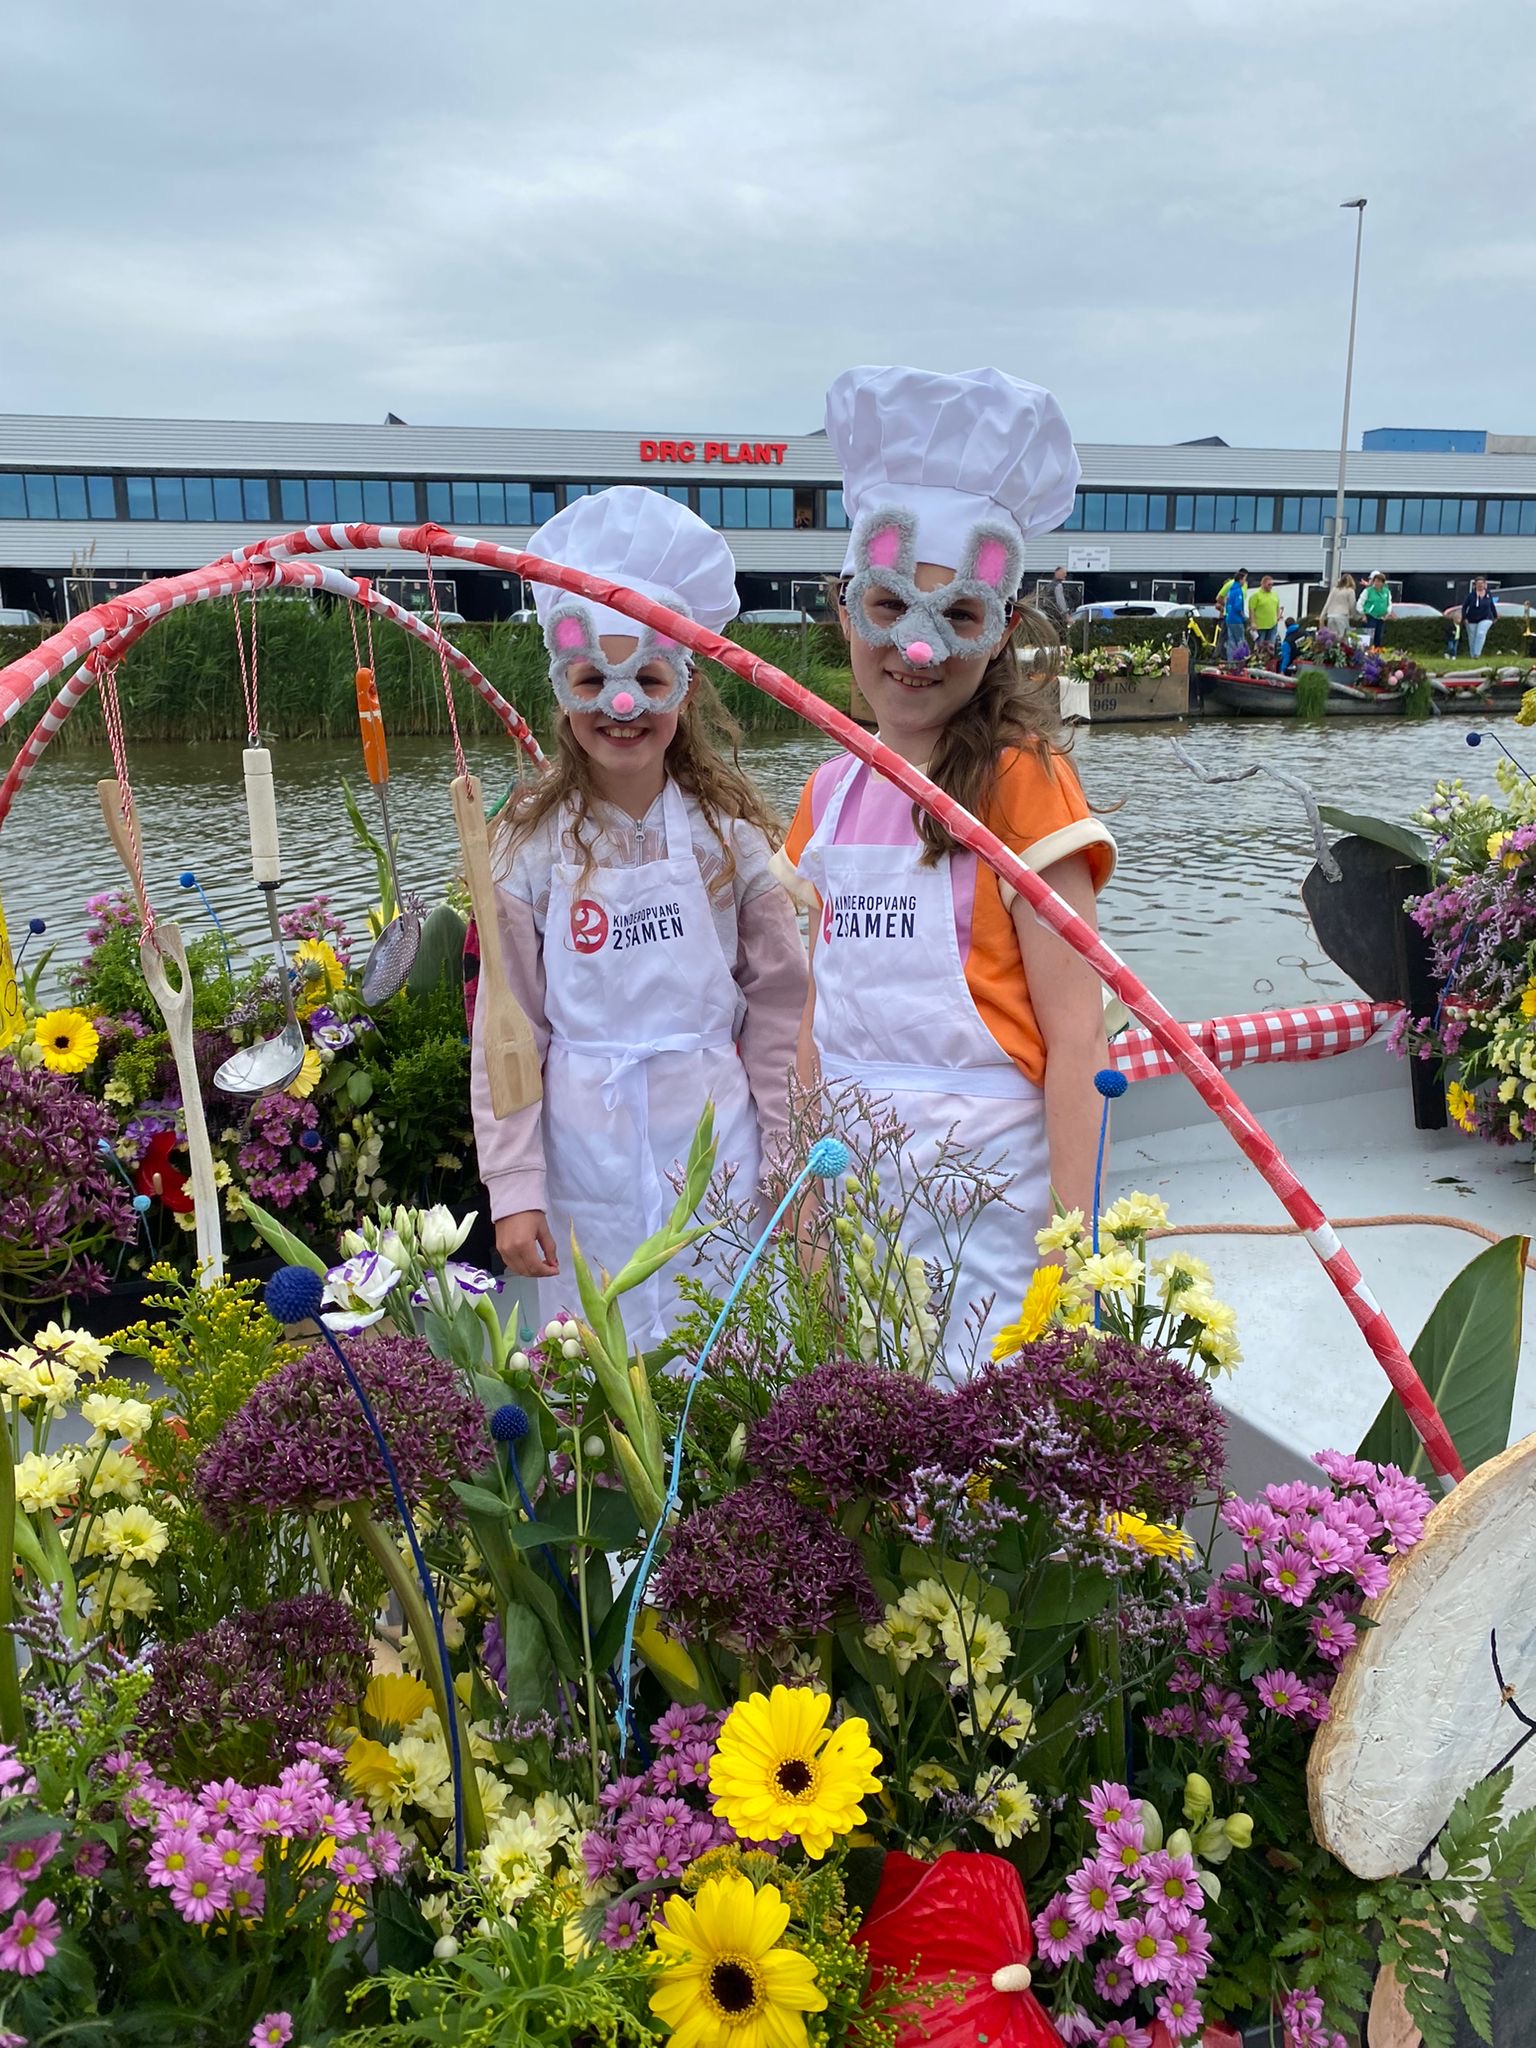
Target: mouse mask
[617, 691]
[924, 631]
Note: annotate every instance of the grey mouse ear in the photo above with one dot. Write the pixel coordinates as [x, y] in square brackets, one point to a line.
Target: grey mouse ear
[885, 538]
[568, 632]
[994, 555]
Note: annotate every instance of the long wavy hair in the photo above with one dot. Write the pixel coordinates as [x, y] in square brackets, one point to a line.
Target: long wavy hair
[1017, 705]
[697, 762]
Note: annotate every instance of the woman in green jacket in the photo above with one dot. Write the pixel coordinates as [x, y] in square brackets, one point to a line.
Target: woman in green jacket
[1376, 603]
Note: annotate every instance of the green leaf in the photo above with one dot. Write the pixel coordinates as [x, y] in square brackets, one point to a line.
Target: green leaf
[281, 1241]
[608, 1639]
[528, 1663]
[1401, 838]
[1472, 1975]
[359, 1087]
[405, 1940]
[1065, 1595]
[611, 1521]
[1467, 1355]
[440, 955]
[1467, 1836]
[482, 1501]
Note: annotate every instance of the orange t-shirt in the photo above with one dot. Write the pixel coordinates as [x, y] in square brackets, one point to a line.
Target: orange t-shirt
[1038, 811]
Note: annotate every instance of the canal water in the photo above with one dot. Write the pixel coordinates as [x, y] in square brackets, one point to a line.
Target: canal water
[1205, 904]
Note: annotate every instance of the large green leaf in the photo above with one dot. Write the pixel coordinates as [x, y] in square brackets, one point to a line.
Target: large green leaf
[1401, 838]
[440, 956]
[283, 1242]
[1467, 1355]
[528, 1663]
[1064, 1596]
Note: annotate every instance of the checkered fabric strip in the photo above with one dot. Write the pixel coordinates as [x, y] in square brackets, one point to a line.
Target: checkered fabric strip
[1315, 1033]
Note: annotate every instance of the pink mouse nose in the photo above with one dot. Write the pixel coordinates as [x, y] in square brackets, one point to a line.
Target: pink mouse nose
[919, 653]
[623, 703]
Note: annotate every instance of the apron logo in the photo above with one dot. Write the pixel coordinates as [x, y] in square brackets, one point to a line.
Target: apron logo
[652, 924]
[589, 925]
[874, 916]
[826, 922]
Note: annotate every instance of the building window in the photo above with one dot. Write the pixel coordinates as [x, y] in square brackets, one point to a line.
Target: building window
[738, 507]
[141, 498]
[42, 499]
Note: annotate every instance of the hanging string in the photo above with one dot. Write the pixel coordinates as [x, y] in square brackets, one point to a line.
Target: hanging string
[442, 662]
[250, 676]
[112, 718]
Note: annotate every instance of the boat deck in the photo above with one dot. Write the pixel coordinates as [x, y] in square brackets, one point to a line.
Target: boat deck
[1308, 1381]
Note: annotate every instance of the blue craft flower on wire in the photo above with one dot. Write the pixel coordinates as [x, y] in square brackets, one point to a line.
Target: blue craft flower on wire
[509, 1424]
[1111, 1083]
[828, 1158]
[294, 1295]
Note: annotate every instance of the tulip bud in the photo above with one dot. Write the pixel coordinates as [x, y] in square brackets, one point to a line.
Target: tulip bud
[1239, 1829]
[737, 1449]
[445, 1948]
[1151, 1826]
[352, 1244]
[593, 1447]
[1198, 1798]
[440, 1234]
[1180, 1843]
[1213, 1844]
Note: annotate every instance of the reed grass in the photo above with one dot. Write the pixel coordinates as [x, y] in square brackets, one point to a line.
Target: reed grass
[182, 680]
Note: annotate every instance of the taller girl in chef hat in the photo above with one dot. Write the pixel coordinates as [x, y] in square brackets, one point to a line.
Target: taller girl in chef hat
[931, 983]
[655, 953]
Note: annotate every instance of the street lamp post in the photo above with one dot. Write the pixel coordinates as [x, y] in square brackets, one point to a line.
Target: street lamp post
[1336, 543]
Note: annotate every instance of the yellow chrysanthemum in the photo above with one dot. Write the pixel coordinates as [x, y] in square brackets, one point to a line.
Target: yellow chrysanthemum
[1157, 1539]
[320, 973]
[1496, 844]
[395, 1699]
[1035, 1312]
[1528, 1000]
[307, 1079]
[725, 1980]
[67, 1041]
[1461, 1103]
[776, 1771]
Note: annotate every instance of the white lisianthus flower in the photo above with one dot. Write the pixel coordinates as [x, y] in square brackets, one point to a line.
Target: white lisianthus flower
[439, 1236]
[358, 1289]
[456, 1282]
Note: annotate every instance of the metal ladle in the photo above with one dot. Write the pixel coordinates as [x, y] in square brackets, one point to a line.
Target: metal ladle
[271, 1062]
[393, 954]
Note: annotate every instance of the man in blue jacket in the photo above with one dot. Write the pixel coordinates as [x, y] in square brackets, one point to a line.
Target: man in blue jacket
[1234, 612]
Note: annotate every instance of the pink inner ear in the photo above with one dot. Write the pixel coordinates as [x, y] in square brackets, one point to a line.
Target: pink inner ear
[991, 561]
[883, 547]
[570, 633]
[662, 640]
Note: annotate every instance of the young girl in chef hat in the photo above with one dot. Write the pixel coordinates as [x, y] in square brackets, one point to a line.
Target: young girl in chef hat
[932, 984]
[645, 935]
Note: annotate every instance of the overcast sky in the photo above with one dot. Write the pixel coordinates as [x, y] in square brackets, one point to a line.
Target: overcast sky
[686, 216]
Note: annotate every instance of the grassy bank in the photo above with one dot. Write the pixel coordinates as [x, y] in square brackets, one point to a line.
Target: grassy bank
[181, 682]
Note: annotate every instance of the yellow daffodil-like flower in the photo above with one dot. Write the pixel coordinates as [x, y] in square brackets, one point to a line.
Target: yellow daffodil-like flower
[67, 1041]
[1061, 1233]
[1526, 715]
[129, 1594]
[1035, 1312]
[307, 1079]
[395, 1699]
[426, 1775]
[1133, 1215]
[927, 1779]
[776, 1770]
[46, 1484]
[320, 974]
[901, 1637]
[371, 1770]
[114, 1475]
[1461, 1103]
[514, 1858]
[1496, 844]
[930, 1600]
[131, 1535]
[1116, 1270]
[79, 1350]
[50, 1381]
[997, 1714]
[1179, 1271]
[975, 1644]
[115, 1415]
[726, 1981]
[1157, 1539]
[1007, 1809]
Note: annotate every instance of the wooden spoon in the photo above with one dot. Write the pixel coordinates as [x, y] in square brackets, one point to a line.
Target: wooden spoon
[511, 1057]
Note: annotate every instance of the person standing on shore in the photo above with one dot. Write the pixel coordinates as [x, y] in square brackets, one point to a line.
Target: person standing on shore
[932, 986]
[654, 952]
[1264, 618]
[1479, 609]
[1234, 613]
[1377, 606]
[1054, 604]
[1339, 605]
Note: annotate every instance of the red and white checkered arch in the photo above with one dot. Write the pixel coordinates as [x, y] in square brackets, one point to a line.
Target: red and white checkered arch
[92, 629]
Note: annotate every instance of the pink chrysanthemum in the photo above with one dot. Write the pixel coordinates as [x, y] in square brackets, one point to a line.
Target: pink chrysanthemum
[30, 1939]
[1057, 1934]
[1097, 1892]
[1146, 1950]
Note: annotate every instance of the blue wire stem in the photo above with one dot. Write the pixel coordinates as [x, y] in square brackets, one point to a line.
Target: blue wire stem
[402, 1508]
[190, 881]
[1098, 1188]
[674, 1498]
[1476, 739]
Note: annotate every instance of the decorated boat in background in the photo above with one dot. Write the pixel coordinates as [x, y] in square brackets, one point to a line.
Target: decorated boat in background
[1263, 693]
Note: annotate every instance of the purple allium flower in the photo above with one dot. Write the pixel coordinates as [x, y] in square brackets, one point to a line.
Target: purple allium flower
[300, 1443]
[762, 1572]
[850, 1431]
[62, 1200]
[245, 1693]
[1058, 1936]
[1094, 1419]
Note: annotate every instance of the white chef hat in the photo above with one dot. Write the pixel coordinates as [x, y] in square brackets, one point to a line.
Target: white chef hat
[647, 542]
[950, 450]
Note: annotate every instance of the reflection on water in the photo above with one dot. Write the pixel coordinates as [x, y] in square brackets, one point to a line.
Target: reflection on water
[1205, 904]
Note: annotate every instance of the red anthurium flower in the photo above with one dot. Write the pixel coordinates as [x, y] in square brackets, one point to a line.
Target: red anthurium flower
[157, 1176]
[961, 1918]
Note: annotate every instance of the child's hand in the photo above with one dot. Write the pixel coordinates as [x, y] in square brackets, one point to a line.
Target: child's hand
[526, 1246]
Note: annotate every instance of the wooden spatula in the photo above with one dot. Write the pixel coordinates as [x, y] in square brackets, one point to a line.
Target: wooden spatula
[511, 1057]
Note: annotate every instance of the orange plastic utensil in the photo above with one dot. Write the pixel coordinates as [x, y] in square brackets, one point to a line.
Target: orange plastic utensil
[394, 951]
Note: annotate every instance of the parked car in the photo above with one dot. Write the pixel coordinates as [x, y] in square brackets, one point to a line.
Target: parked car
[781, 616]
[1132, 608]
[17, 615]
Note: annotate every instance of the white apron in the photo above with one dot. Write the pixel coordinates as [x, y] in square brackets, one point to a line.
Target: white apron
[894, 1014]
[642, 1005]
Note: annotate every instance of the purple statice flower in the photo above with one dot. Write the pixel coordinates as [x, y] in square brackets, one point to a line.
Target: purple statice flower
[761, 1572]
[1084, 1417]
[315, 919]
[1059, 1936]
[62, 1200]
[255, 1686]
[300, 1443]
[848, 1431]
[273, 1157]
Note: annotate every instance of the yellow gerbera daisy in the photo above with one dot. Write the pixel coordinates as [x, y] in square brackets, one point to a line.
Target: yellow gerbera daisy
[1035, 1312]
[320, 973]
[1528, 1000]
[1461, 1103]
[1157, 1539]
[726, 1982]
[776, 1771]
[307, 1079]
[371, 1769]
[395, 1699]
[67, 1041]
